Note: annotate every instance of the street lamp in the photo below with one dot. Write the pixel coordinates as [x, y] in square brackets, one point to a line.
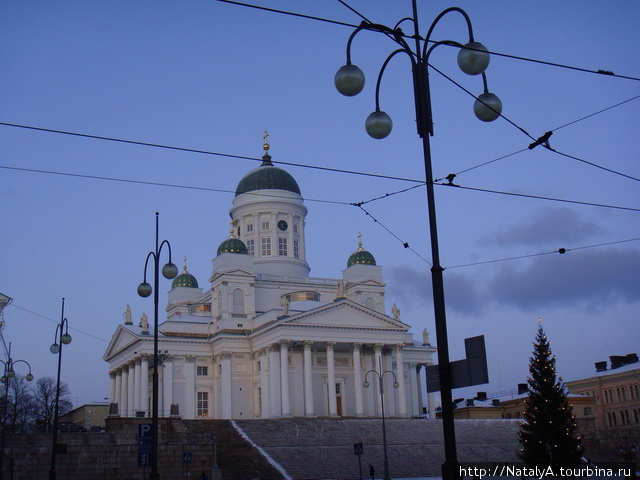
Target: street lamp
[7, 374]
[473, 59]
[169, 271]
[62, 336]
[381, 389]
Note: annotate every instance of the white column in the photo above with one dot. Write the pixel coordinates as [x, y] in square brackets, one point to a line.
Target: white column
[124, 392]
[189, 409]
[413, 378]
[331, 380]
[144, 384]
[225, 361]
[357, 379]
[117, 395]
[136, 380]
[308, 380]
[112, 387]
[167, 386]
[131, 390]
[284, 374]
[377, 366]
[402, 393]
[274, 381]
[290, 236]
[264, 385]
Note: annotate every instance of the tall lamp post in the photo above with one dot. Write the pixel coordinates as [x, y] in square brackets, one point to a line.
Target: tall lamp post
[380, 374]
[169, 271]
[473, 59]
[7, 375]
[61, 337]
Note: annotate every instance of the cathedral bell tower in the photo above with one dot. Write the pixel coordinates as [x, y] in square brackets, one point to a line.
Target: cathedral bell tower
[269, 214]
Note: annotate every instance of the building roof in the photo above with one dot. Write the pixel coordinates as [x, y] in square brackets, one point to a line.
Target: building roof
[267, 177]
[361, 256]
[185, 279]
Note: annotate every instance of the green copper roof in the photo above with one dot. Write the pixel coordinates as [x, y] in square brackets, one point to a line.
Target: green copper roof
[361, 257]
[233, 245]
[185, 280]
[267, 177]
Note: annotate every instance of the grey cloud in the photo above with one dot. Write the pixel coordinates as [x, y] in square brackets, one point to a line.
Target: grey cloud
[594, 278]
[546, 226]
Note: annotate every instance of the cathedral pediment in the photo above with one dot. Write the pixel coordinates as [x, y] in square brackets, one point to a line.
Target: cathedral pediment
[120, 341]
[344, 314]
[235, 273]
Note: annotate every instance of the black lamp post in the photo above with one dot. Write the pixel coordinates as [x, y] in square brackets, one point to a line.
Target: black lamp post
[60, 339]
[380, 376]
[169, 271]
[473, 59]
[7, 375]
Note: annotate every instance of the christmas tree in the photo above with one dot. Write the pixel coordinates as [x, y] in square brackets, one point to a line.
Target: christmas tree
[548, 434]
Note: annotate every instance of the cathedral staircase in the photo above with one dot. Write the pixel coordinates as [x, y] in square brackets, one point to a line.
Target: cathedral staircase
[324, 448]
[295, 448]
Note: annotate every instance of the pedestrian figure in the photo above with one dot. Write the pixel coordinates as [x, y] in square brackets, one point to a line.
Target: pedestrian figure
[372, 471]
[202, 477]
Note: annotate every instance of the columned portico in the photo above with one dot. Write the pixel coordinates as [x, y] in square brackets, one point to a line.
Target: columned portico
[265, 412]
[167, 384]
[357, 379]
[402, 394]
[274, 382]
[124, 392]
[331, 380]
[188, 410]
[131, 391]
[377, 366]
[284, 377]
[308, 379]
[144, 383]
[225, 386]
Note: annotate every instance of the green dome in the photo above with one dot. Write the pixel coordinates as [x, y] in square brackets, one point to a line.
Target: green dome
[233, 245]
[267, 177]
[185, 279]
[361, 257]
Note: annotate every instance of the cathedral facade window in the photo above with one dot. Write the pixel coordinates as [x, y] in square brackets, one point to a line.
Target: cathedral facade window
[266, 246]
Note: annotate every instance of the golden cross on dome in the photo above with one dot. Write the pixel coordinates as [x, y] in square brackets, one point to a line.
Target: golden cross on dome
[266, 143]
[233, 225]
[185, 265]
[359, 241]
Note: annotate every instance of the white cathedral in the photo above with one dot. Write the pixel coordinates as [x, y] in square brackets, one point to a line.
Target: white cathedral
[266, 340]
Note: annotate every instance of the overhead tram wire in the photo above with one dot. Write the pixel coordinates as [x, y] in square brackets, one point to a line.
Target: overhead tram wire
[158, 184]
[544, 139]
[206, 152]
[553, 130]
[366, 23]
[560, 251]
[57, 321]
[190, 150]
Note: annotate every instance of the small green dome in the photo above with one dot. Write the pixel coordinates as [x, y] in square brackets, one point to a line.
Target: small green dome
[361, 256]
[233, 245]
[185, 279]
[267, 177]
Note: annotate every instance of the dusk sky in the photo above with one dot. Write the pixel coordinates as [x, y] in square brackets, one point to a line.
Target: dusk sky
[78, 212]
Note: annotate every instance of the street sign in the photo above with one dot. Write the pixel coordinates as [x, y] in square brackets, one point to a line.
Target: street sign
[145, 439]
[144, 459]
[187, 458]
[464, 373]
[358, 449]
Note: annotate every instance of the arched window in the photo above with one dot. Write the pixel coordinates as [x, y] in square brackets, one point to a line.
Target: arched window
[238, 301]
[370, 303]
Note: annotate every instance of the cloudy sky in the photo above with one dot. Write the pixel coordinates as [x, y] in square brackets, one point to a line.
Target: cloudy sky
[78, 212]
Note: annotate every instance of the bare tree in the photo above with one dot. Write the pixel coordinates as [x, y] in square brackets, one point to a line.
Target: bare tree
[45, 399]
[22, 412]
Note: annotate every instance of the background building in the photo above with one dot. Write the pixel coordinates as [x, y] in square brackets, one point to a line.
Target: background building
[264, 339]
